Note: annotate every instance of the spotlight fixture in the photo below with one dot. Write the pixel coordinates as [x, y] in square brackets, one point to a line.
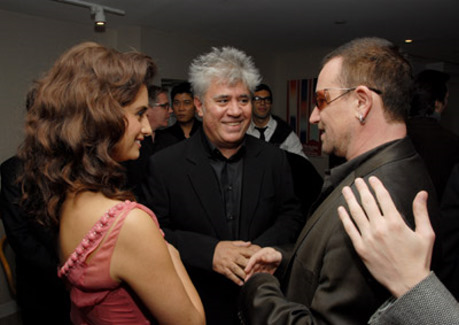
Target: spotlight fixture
[97, 11]
[99, 15]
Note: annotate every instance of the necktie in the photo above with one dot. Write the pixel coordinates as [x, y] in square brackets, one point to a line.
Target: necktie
[262, 132]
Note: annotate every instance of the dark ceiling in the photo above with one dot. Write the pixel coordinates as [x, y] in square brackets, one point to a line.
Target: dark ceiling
[282, 25]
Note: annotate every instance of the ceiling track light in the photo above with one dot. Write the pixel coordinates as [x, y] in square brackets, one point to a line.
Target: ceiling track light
[97, 11]
[99, 15]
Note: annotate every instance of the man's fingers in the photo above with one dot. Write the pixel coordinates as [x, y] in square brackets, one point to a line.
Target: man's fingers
[240, 243]
[368, 201]
[241, 260]
[266, 257]
[421, 216]
[235, 274]
[354, 207]
[254, 248]
[256, 258]
[385, 201]
[349, 227]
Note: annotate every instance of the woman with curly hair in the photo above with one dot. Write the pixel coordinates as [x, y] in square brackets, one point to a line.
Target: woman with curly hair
[88, 115]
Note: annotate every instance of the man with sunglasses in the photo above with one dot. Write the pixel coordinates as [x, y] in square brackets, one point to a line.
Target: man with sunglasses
[362, 99]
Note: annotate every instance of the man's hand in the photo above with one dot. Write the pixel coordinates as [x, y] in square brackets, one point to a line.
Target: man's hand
[397, 256]
[231, 257]
[265, 260]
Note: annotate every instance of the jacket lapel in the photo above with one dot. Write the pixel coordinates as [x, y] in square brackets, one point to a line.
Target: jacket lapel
[205, 185]
[398, 150]
[251, 183]
[323, 207]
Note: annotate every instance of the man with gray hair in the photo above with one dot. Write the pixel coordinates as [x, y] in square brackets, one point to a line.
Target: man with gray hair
[222, 195]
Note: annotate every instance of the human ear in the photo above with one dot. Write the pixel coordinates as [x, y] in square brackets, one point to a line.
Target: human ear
[364, 103]
[199, 106]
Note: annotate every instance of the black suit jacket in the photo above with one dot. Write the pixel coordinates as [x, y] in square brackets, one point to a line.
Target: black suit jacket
[40, 293]
[136, 170]
[173, 134]
[183, 191]
[326, 282]
[437, 146]
[449, 274]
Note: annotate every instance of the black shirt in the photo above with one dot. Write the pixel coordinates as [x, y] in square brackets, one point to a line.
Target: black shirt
[229, 176]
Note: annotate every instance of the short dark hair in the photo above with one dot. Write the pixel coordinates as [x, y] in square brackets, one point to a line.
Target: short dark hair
[379, 64]
[261, 87]
[181, 88]
[429, 86]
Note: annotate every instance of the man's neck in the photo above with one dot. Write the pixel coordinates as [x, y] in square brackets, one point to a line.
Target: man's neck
[229, 152]
[186, 128]
[374, 138]
[260, 122]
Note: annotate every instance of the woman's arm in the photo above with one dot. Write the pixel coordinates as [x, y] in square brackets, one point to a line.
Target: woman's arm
[181, 272]
[143, 260]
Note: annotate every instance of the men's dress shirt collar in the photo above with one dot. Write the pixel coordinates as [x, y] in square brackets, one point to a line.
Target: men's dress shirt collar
[334, 176]
[215, 154]
[337, 174]
[177, 130]
[270, 128]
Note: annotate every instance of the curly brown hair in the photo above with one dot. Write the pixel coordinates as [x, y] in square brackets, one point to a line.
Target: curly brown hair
[73, 125]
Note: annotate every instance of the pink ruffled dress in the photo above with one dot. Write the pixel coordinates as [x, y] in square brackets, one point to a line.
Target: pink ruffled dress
[95, 297]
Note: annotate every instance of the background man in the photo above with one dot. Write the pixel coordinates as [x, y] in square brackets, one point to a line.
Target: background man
[437, 146]
[184, 110]
[158, 113]
[221, 195]
[159, 110]
[307, 181]
[269, 127]
[362, 98]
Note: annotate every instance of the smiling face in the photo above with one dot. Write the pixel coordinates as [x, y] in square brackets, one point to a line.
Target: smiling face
[262, 106]
[336, 119]
[226, 112]
[137, 127]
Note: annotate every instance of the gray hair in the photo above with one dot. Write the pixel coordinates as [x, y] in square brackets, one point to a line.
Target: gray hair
[228, 65]
[153, 92]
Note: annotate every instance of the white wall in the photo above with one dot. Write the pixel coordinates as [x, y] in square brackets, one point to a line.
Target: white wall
[173, 53]
[31, 44]
[29, 47]
[277, 69]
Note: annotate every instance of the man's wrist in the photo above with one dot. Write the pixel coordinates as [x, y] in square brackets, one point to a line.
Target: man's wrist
[399, 289]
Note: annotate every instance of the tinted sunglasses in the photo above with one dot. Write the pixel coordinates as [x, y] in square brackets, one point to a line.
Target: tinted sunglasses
[322, 97]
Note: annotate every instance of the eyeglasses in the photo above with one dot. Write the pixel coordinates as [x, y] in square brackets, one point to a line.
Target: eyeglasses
[164, 106]
[259, 99]
[322, 97]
